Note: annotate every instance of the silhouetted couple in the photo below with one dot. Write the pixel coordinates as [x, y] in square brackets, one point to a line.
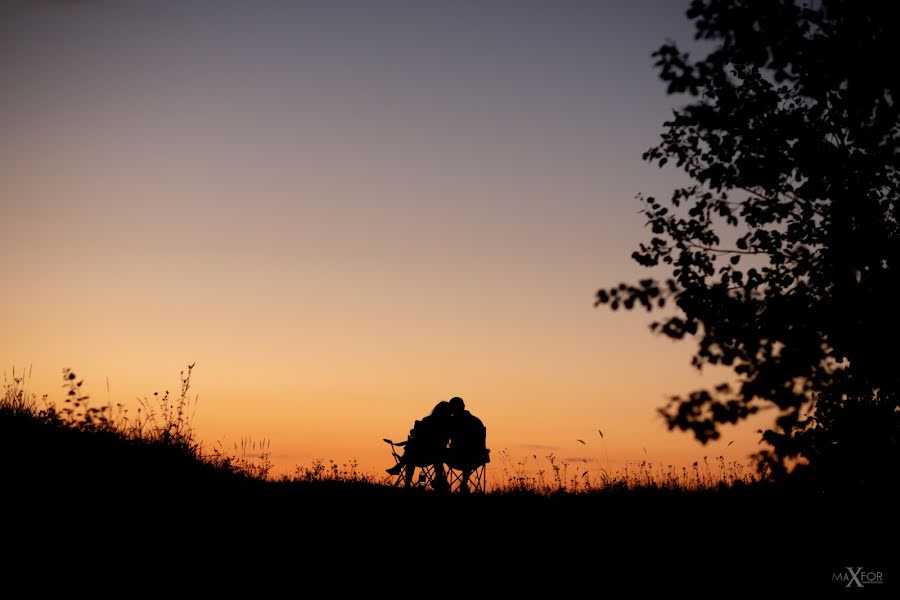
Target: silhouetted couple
[451, 435]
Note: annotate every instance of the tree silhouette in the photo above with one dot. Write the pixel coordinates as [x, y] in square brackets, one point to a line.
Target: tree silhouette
[782, 255]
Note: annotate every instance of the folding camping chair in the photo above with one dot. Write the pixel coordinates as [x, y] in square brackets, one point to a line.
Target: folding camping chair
[477, 482]
[426, 472]
[454, 471]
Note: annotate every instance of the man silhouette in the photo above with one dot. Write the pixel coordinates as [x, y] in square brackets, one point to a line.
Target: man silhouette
[468, 442]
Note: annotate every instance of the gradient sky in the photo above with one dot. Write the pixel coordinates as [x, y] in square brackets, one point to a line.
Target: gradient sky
[343, 212]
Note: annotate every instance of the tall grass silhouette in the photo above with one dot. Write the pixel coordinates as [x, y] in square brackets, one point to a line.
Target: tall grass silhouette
[547, 475]
[161, 427]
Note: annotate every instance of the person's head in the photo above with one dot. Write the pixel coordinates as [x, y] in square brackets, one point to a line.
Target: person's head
[442, 409]
[456, 405]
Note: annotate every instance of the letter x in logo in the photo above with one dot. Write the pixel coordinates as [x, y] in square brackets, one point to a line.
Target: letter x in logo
[854, 577]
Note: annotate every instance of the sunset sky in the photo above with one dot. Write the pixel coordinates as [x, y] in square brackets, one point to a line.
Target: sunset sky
[343, 212]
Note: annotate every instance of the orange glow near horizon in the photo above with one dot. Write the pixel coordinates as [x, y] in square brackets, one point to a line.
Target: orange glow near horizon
[342, 221]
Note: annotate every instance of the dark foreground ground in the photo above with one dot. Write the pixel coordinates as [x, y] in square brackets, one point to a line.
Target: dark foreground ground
[95, 504]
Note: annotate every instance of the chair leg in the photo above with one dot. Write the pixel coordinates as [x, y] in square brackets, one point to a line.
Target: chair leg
[454, 479]
[399, 477]
[480, 479]
[439, 478]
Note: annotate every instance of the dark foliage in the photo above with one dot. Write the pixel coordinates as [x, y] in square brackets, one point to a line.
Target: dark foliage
[784, 251]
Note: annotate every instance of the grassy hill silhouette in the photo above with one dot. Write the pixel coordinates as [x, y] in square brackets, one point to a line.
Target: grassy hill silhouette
[80, 473]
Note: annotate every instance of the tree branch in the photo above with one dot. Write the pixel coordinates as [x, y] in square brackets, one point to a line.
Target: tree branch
[727, 250]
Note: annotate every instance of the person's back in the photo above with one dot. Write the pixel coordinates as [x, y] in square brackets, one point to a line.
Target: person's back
[468, 440]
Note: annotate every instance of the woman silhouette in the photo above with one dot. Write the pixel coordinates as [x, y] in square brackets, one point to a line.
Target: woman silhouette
[427, 445]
